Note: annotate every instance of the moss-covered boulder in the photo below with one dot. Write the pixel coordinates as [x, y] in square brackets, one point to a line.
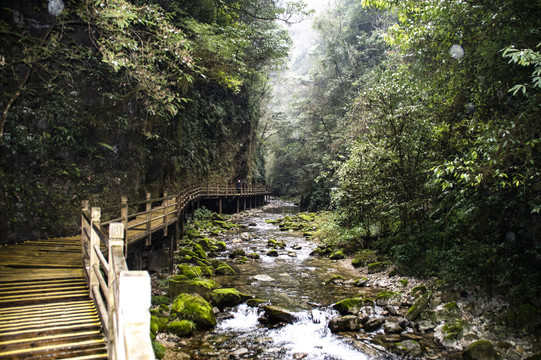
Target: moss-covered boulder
[334, 279]
[337, 255]
[350, 306]
[181, 327]
[224, 269]
[198, 249]
[418, 306]
[153, 325]
[237, 253]
[480, 350]
[254, 256]
[202, 287]
[277, 314]
[222, 224]
[220, 246]
[385, 297]
[194, 308]
[193, 234]
[226, 297]
[191, 272]
[276, 244]
[419, 290]
[159, 350]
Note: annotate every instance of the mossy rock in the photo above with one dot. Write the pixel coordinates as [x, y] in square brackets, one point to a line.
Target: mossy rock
[287, 218]
[277, 314]
[191, 272]
[215, 216]
[316, 252]
[306, 217]
[276, 244]
[194, 308]
[419, 289]
[202, 287]
[162, 323]
[205, 243]
[403, 282]
[154, 326]
[453, 331]
[220, 246]
[159, 350]
[350, 306]
[255, 302]
[480, 350]
[222, 224]
[337, 255]
[254, 256]
[361, 282]
[334, 279]
[237, 253]
[384, 297]
[272, 253]
[181, 327]
[418, 306]
[364, 257]
[198, 249]
[377, 267]
[193, 234]
[224, 269]
[226, 297]
[186, 252]
[159, 299]
[286, 226]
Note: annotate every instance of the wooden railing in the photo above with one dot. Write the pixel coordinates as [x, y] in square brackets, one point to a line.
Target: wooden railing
[122, 296]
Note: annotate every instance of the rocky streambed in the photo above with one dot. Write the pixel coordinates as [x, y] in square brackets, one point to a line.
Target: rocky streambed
[273, 293]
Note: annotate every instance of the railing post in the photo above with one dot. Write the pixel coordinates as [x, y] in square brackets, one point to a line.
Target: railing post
[94, 242]
[149, 220]
[165, 209]
[124, 216]
[85, 207]
[116, 244]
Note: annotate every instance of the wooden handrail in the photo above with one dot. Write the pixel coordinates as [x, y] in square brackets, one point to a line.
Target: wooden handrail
[122, 296]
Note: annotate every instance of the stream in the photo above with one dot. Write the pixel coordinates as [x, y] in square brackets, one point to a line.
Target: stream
[293, 280]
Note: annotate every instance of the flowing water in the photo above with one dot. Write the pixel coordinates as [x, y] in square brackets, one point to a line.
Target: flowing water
[293, 280]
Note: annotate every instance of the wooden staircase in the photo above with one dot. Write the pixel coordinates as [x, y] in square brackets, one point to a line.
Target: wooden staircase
[45, 309]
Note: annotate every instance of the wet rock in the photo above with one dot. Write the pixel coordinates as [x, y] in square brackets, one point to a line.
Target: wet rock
[373, 324]
[220, 246]
[255, 302]
[239, 353]
[344, 323]
[299, 356]
[237, 253]
[361, 282]
[366, 313]
[450, 334]
[194, 307]
[226, 297]
[262, 278]
[392, 327]
[391, 309]
[292, 254]
[385, 297]
[273, 253]
[276, 314]
[350, 306]
[408, 348]
[276, 244]
[297, 247]
[480, 350]
[224, 269]
[336, 279]
[418, 306]
[175, 354]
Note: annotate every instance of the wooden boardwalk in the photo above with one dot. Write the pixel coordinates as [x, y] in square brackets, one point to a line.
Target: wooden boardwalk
[45, 308]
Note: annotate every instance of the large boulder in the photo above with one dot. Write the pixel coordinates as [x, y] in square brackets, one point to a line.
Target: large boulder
[344, 323]
[195, 308]
[202, 287]
[226, 297]
[278, 314]
[350, 306]
[418, 306]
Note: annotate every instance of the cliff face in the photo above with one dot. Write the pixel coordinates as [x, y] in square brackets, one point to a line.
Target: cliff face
[78, 128]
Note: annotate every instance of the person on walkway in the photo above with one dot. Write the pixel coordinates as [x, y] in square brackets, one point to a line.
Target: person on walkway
[239, 185]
